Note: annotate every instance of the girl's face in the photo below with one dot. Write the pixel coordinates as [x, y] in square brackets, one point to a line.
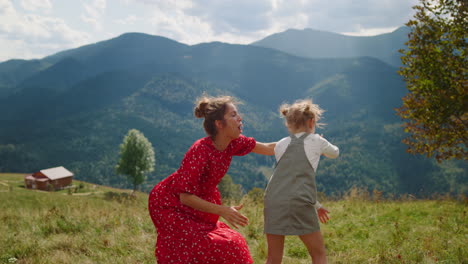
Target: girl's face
[232, 127]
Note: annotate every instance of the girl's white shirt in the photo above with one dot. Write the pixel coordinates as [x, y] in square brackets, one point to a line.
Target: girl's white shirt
[314, 146]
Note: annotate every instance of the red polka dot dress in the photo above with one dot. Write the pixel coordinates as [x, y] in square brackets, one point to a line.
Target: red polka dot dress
[186, 235]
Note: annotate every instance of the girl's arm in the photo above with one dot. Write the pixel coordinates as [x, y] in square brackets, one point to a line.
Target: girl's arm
[332, 154]
[231, 214]
[329, 150]
[264, 148]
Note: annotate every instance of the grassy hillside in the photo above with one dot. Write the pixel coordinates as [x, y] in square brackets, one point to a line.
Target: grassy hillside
[102, 225]
[99, 225]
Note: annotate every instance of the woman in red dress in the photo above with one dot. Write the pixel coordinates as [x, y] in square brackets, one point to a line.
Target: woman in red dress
[185, 207]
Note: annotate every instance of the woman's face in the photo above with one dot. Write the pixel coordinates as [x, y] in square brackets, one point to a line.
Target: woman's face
[232, 127]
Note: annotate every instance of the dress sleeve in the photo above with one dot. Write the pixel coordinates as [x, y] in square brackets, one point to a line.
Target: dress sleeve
[191, 170]
[242, 145]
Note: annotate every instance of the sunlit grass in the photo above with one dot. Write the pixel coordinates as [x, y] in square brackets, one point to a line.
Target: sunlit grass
[43, 227]
[366, 231]
[106, 225]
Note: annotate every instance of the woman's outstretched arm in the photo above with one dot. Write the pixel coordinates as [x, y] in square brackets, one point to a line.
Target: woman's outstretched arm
[231, 214]
[265, 148]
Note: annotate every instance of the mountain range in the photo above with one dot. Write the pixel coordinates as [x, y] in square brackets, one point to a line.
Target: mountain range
[73, 108]
[312, 43]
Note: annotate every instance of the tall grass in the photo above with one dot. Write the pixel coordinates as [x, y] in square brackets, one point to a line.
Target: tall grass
[365, 229]
[104, 225]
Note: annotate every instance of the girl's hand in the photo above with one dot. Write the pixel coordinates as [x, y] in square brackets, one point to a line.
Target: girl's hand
[232, 215]
[323, 215]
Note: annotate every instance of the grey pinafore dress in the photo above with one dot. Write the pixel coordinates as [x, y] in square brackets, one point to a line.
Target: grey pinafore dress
[291, 193]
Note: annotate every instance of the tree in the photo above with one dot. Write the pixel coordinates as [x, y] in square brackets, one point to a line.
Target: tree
[228, 189]
[435, 111]
[136, 158]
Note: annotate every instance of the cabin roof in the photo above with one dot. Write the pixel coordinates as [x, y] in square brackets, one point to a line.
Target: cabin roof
[57, 173]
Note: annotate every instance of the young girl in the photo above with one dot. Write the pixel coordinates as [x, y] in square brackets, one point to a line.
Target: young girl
[291, 193]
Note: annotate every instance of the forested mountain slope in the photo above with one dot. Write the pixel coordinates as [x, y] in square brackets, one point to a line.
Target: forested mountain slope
[74, 108]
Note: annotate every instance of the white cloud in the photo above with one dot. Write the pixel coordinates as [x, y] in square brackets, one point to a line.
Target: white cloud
[32, 5]
[31, 35]
[362, 17]
[15, 24]
[94, 10]
[359, 17]
[129, 20]
[190, 22]
[370, 31]
[187, 21]
[165, 4]
[15, 49]
[233, 15]
[245, 21]
[175, 24]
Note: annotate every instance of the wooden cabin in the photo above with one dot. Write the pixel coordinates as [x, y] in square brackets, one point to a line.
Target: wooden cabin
[49, 179]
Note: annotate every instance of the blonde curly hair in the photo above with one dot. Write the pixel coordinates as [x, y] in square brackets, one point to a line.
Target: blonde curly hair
[298, 113]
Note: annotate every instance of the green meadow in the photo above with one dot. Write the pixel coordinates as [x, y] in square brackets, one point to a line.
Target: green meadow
[96, 224]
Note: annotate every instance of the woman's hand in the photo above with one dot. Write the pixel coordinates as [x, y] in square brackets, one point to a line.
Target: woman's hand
[232, 215]
[323, 215]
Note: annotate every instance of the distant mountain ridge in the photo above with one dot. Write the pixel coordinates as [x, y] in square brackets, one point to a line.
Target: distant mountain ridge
[74, 107]
[321, 44]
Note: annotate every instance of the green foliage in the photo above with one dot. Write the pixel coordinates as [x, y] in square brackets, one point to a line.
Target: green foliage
[13, 155]
[136, 157]
[435, 70]
[14, 71]
[229, 190]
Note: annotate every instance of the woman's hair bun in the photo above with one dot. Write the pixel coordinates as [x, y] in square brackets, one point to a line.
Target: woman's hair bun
[200, 108]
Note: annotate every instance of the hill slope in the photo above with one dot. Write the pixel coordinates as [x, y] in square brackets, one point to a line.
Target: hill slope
[103, 225]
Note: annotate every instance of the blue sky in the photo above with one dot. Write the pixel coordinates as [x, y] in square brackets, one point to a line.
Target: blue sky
[37, 28]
